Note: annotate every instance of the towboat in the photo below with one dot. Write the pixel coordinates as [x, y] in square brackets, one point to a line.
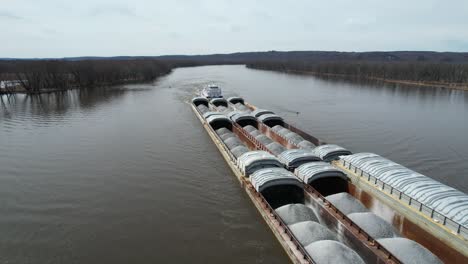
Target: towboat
[211, 91]
[326, 204]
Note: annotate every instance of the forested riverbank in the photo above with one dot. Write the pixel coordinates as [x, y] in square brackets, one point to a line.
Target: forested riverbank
[39, 76]
[447, 75]
[439, 69]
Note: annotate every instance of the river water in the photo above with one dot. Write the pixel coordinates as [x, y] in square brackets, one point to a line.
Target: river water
[128, 175]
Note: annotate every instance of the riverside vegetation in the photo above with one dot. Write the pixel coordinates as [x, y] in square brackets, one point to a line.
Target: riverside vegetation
[36, 76]
[442, 74]
[440, 69]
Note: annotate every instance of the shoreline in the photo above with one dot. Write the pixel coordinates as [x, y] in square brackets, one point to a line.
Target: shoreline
[21, 90]
[453, 86]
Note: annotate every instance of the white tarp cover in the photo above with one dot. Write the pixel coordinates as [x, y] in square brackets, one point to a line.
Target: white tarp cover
[291, 157]
[325, 151]
[235, 99]
[255, 160]
[216, 118]
[268, 117]
[233, 113]
[258, 112]
[435, 195]
[265, 178]
[198, 100]
[242, 116]
[219, 101]
[316, 170]
[209, 113]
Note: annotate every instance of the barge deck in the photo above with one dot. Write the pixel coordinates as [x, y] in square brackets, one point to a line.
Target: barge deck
[259, 130]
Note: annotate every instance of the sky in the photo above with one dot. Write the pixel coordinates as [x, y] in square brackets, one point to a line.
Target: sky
[63, 28]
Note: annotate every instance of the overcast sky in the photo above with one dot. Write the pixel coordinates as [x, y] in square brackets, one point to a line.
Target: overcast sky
[63, 28]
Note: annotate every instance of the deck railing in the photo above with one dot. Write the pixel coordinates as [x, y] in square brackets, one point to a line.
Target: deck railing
[437, 217]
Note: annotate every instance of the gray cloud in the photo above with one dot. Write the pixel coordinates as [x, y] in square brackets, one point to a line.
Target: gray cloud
[9, 15]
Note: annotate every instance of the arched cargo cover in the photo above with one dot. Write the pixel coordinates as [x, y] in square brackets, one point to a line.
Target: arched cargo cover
[235, 100]
[210, 113]
[271, 119]
[443, 199]
[325, 178]
[200, 100]
[254, 160]
[293, 158]
[258, 112]
[219, 102]
[233, 113]
[312, 171]
[269, 177]
[244, 119]
[218, 121]
[329, 151]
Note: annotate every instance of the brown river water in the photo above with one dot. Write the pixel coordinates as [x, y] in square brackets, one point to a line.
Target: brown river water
[128, 175]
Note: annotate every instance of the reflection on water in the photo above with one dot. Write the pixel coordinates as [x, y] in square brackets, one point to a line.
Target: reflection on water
[52, 105]
[127, 174]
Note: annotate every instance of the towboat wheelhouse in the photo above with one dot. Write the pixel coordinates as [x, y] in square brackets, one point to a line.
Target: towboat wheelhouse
[211, 91]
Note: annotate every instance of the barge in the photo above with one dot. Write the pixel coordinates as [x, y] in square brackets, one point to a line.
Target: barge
[325, 204]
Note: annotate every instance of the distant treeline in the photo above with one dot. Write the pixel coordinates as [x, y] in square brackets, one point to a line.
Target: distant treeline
[34, 76]
[38, 75]
[402, 71]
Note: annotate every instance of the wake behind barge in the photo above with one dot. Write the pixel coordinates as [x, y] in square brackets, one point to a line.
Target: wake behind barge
[327, 205]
